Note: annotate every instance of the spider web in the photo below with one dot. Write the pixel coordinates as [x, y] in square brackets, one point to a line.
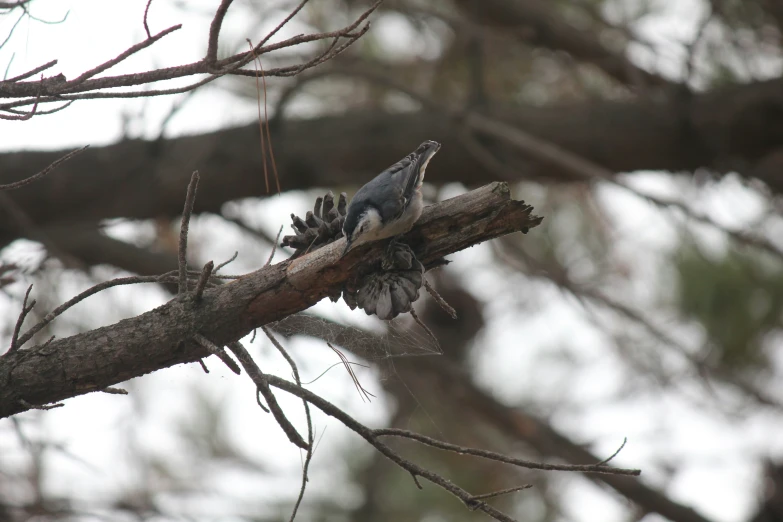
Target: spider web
[381, 342]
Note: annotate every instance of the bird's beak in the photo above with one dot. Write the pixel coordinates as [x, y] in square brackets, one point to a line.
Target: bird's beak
[348, 246]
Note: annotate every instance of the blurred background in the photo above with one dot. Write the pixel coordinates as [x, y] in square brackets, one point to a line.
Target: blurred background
[647, 306]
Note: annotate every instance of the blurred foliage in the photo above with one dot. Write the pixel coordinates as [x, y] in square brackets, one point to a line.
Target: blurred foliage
[738, 299]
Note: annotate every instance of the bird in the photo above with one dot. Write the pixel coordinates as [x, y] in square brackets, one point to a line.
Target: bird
[389, 204]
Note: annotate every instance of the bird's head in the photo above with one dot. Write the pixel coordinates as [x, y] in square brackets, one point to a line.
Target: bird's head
[361, 226]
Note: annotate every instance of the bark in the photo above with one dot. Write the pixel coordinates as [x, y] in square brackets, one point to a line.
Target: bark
[735, 129]
[162, 337]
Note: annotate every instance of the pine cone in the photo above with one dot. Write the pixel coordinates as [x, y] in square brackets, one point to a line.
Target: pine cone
[393, 290]
[320, 227]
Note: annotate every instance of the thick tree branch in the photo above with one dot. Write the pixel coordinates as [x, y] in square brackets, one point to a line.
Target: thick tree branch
[739, 128]
[160, 338]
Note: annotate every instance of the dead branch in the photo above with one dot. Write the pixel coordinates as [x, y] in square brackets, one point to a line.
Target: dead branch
[160, 338]
[515, 423]
[85, 86]
[190, 200]
[373, 437]
[44, 172]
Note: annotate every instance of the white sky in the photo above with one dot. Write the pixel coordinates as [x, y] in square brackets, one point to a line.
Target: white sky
[719, 473]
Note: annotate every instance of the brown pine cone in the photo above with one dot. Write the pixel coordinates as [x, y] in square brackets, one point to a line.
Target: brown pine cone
[320, 227]
[394, 289]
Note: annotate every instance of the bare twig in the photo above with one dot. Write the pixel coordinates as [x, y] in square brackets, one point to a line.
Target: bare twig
[114, 391]
[190, 200]
[24, 116]
[274, 247]
[122, 56]
[613, 455]
[224, 263]
[214, 32]
[203, 280]
[283, 23]
[261, 381]
[310, 433]
[491, 455]
[44, 172]
[22, 314]
[40, 407]
[217, 351]
[31, 72]
[424, 326]
[146, 12]
[100, 287]
[439, 299]
[501, 492]
[258, 401]
[85, 86]
[373, 439]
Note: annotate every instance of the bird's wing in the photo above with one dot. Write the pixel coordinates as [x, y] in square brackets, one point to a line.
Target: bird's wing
[403, 181]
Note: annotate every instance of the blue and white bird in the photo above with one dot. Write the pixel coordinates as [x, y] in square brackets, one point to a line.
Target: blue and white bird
[391, 203]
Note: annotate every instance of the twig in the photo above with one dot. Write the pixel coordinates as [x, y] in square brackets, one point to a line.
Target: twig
[41, 113]
[310, 433]
[261, 381]
[114, 391]
[283, 23]
[370, 436]
[424, 326]
[25, 115]
[190, 200]
[258, 401]
[31, 72]
[120, 57]
[218, 351]
[86, 86]
[146, 12]
[274, 247]
[439, 299]
[41, 407]
[203, 365]
[44, 172]
[499, 457]
[25, 310]
[613, 455]
[214, 32]
[224, 263]
[203, 280]
[165, 278]
[477, 500]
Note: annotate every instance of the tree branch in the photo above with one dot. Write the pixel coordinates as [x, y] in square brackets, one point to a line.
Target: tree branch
[161, 338]
[736, 128]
